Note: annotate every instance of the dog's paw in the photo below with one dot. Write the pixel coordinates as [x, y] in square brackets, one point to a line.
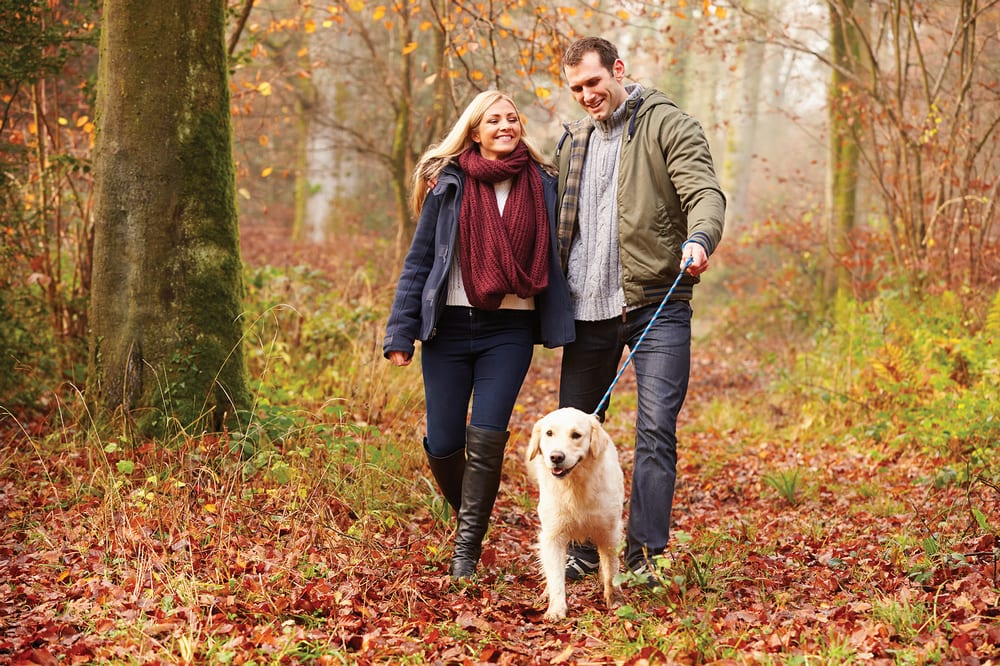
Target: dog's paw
[555, 613]
[614, 597]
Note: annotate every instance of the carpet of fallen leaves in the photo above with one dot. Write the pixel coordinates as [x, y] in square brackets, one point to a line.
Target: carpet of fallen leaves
[189, 569]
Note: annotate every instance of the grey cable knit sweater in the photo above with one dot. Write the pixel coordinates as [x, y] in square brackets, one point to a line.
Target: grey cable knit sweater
[594, 268]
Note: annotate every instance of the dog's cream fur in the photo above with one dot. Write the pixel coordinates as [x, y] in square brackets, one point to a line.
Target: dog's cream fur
[581, 491]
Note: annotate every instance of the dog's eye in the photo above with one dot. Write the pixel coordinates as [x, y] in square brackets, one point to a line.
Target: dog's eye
[576, 435]
[548, 433]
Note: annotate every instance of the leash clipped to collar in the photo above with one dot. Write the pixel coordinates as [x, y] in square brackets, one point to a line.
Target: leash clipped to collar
[607, 394]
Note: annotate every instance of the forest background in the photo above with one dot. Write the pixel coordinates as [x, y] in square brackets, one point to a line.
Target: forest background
[205, 458]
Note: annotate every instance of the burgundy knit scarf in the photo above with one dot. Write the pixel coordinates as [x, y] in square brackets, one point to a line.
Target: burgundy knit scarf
[505, 254]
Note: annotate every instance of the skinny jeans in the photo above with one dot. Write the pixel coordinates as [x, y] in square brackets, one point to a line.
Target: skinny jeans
[662, 365]
[475, 355]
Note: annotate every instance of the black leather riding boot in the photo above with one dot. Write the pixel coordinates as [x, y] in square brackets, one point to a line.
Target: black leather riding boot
[448, 472]
[484, 453]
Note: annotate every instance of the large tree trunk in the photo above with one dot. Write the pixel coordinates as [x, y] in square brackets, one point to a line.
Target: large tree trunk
[166, 328]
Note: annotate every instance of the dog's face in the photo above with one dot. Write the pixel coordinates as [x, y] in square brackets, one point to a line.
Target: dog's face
[564, 438]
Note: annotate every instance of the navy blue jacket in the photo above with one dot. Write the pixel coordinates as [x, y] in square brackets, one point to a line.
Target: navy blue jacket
[423, 284]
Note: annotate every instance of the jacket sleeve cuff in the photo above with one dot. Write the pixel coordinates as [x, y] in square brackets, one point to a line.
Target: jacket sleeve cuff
[702, 239]
[388, 345]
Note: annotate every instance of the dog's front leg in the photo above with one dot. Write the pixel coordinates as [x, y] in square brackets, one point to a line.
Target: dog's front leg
[613, 596]
[552, 550]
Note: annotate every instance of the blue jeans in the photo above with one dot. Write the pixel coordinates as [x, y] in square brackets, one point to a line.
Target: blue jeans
[477, 355]
[662, 366]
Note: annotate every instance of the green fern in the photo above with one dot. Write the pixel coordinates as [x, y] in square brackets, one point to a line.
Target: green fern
[993, 316]
[893, 365]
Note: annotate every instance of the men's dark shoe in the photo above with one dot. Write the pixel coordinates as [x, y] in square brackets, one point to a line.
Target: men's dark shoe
[581, 564]
[644, 576]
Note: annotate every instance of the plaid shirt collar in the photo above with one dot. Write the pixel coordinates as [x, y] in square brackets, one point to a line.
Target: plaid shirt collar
[579, 133]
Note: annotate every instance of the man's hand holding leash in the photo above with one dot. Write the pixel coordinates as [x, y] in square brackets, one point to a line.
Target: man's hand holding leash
[694, 252]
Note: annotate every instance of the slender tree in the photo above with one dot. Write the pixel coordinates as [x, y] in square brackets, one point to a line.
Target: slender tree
[742, 133]
[843, 164]
[914, 88]
[166, 330]
[411, 66]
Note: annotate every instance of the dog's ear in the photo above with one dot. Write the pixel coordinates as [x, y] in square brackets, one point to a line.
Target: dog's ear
[599, 439]
[535, 442]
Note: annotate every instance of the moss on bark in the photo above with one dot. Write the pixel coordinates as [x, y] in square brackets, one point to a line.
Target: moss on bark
[166, 339]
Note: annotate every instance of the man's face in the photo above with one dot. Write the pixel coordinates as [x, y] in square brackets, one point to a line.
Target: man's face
[596, 89]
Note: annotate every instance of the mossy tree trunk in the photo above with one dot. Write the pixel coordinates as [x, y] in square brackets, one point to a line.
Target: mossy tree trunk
[166, 327]
[844, 151]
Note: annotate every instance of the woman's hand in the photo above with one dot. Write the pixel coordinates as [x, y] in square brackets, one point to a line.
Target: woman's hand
[399, 358]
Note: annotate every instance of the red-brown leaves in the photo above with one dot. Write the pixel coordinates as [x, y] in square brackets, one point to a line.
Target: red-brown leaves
[185, 559]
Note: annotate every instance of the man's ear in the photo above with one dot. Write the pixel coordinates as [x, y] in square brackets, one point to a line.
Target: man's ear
[618, 70]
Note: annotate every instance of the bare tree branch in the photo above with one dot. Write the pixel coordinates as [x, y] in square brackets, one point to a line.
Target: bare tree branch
[241, 22]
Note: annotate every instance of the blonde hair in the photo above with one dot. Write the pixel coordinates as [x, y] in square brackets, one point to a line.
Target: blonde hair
[458, 139]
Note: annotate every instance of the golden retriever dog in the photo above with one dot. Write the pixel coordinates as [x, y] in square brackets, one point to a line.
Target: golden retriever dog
[581, 490]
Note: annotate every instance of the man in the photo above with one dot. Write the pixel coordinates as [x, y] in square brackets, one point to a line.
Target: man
[638, 199]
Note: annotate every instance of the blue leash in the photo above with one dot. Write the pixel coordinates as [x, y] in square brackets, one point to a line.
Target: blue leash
[607, 394]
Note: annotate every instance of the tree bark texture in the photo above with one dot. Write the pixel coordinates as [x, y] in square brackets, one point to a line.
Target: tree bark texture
[844, 152]
[166, 327]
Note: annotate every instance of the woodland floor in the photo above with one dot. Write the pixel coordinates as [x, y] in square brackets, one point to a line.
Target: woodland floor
[831, 578]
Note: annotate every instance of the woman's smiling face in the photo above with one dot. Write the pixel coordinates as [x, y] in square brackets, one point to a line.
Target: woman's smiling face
[499, 131]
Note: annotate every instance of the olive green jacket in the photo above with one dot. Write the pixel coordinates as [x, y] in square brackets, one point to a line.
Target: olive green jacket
[668, 194]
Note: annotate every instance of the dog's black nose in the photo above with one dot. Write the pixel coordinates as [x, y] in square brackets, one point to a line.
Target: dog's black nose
[557, 457]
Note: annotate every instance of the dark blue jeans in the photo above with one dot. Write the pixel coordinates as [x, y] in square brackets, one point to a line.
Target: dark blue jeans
[477, 355]
[662, 366]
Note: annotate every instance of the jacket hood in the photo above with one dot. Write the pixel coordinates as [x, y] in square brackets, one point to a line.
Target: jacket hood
[649, 99]
[450, 174]
[637, 108]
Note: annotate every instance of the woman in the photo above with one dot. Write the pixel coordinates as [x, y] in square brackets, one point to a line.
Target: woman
[480, 284]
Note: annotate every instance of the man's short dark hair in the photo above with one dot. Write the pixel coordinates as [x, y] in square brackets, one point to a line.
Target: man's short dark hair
[605, 50]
